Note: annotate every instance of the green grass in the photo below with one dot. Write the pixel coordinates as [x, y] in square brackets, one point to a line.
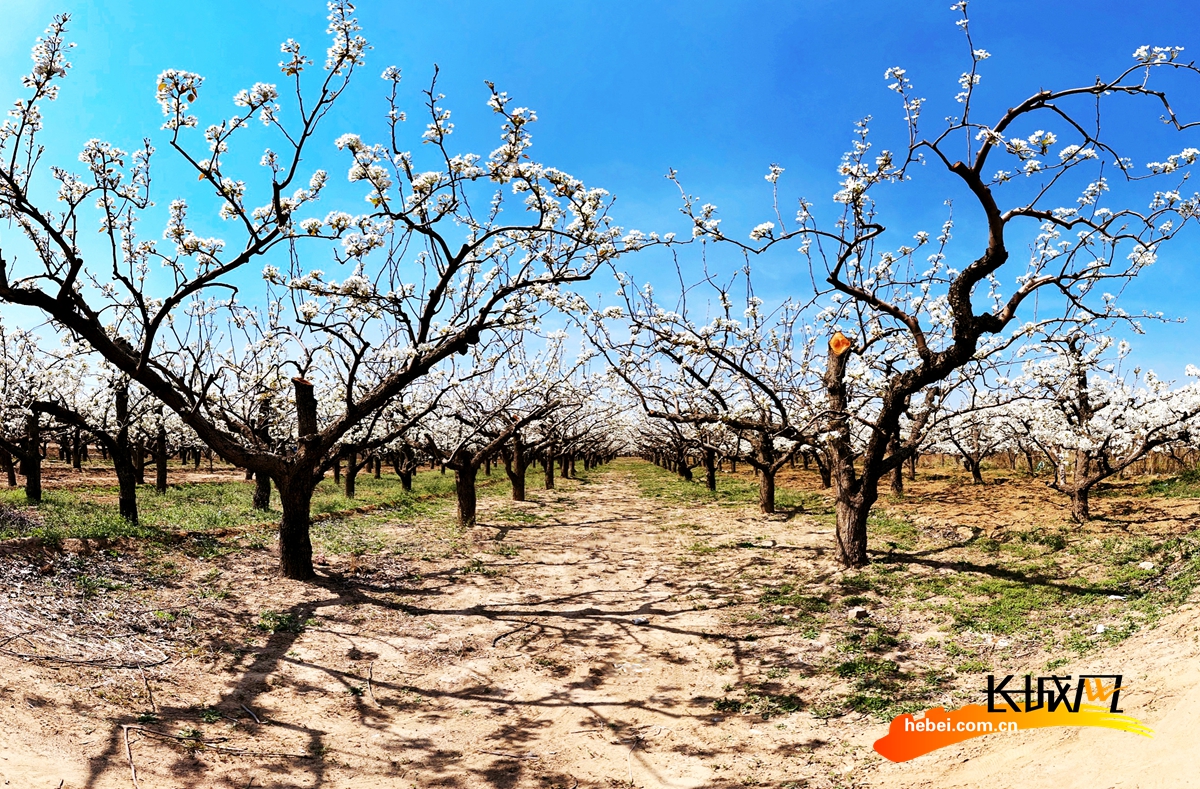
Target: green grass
[276, 622]
[91, 511]
[1183, 486]
[1043, 587]
[759, 702]
[732, 490]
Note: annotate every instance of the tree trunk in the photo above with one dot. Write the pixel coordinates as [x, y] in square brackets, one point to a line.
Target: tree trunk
[295, 543]
[351, 470]
[262, 492]
[549, 466]
[710, 469]
[1080, 510]
[126, 484]
[826, 475]
[77, 449]
[160, 459]
[976, 475]
[33, 459]
[123, 460]
[296, 490]
[514, 466]
[897, 475]
[139, 461]
[6, 461]
[852, 531]
[464, 491]
[912, 467]
[766, 491]
[378, 462]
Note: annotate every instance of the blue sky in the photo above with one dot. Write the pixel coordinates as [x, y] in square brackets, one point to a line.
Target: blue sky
[626, 90]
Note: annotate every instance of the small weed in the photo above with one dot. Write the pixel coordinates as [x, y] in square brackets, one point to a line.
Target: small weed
[479, 567]
[766, 705]
[276, 622]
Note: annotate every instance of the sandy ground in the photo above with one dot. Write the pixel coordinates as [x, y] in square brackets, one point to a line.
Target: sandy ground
[578, 656]
[1162, 674]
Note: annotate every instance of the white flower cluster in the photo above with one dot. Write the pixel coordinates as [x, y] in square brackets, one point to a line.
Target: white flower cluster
[175, 93]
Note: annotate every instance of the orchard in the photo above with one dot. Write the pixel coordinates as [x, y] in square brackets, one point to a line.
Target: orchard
[337, 447]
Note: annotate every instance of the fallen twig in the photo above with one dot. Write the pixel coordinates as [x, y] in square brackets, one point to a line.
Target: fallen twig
[252, 715]
[129, 756]
[370, 676]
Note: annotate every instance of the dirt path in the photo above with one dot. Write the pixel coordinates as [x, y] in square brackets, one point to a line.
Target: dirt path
[576, 640]
[568, 652]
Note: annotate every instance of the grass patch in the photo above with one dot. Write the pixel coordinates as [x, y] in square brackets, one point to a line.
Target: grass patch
[1185, 485]
[276, 622]
[758, 702]
[90, 511]
[732, 490]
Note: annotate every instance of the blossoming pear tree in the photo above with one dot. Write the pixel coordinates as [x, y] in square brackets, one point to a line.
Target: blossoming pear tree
[1095, 207]
[452, 246]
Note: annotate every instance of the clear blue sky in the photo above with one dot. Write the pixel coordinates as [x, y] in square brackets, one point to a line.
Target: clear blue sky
[625, 90]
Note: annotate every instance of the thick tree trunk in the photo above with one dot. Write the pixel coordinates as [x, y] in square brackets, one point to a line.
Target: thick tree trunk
[852, 531]
[549, 466]
[514, 467]
[464, 491]
[766, 491]
[296, 491]
[406, 479]
[295, 543]
[33, 460]
[1080, 510]
[122, 456]
[126, 485]
[710, 469]
[262, 492]
[378, 462]
[976, 474]
[897, 476]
